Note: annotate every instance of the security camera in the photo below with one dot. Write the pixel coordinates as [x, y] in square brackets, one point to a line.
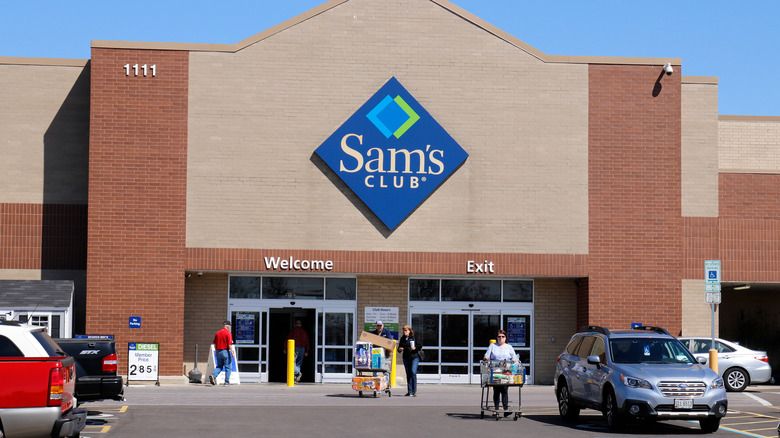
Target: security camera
[668, 69]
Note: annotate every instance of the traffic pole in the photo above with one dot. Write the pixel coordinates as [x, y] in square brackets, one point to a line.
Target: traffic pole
[291, 362]
[392, 369]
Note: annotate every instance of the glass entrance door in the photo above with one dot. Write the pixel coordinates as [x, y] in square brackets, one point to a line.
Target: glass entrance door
[455, 341]
[334, 346]
[249, 331]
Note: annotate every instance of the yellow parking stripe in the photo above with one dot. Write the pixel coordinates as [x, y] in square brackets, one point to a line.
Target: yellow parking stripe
[742, 432]
[755, 415]
[751, 422]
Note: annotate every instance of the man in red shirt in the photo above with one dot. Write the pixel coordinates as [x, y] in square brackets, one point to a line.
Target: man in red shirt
[298, 334]
[223, 344]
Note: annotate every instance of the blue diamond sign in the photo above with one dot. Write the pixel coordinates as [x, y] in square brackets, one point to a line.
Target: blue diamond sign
[392, 153]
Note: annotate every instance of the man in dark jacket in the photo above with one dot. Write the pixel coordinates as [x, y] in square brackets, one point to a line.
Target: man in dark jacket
[382, 331]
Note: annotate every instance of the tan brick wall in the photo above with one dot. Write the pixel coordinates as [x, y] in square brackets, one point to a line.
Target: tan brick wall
[382, 291]
[697, 315]
[44, 121]
[205, 308]
[751, 145]
[256, 116]
[700, 150]
[555, 315]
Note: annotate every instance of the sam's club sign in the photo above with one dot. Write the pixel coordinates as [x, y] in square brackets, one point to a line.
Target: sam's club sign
[392, 153]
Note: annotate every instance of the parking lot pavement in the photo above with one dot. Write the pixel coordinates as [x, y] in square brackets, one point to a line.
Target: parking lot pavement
[187, 410]
[272, 394]
[313, 394]
[102, 417]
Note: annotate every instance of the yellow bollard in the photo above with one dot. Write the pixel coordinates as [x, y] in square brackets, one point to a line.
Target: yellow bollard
[714, 360]
[291, 362]
[392, 370]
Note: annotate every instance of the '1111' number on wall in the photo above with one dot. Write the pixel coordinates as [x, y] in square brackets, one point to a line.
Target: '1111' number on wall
[145, 68]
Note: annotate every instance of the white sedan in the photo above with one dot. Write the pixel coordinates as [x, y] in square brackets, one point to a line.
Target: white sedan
[739, 366]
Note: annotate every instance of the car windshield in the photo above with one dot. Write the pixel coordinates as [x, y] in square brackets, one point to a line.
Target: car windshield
[649, 350]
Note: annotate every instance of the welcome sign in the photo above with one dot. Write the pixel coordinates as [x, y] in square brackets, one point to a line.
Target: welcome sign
[392, 153]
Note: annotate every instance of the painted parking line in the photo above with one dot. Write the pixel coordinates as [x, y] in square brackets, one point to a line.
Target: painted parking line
[99, 419]
[749, 424]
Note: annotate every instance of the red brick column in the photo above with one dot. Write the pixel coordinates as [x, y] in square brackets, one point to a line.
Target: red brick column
[635, 244]
[137, 199]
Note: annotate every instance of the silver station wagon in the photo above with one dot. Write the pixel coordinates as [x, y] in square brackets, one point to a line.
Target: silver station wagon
[640, 373]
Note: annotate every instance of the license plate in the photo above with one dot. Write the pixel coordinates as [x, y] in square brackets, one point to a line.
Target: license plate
[683, 403]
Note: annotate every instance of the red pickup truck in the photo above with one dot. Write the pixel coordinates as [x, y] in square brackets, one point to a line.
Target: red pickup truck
[37, 381]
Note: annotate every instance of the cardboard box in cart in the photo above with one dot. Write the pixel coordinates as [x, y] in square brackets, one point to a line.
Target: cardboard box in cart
[369, 356]
[370, 383]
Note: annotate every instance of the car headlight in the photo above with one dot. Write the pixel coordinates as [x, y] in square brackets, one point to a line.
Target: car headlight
[717, 383]
[633, 382]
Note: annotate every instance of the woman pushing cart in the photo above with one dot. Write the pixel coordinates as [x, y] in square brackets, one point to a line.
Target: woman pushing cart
[499, 370]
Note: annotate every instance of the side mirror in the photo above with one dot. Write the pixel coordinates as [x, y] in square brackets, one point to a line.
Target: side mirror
[594, 360]
[702, 360]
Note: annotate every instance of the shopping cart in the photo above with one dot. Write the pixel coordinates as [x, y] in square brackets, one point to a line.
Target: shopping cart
[501, 374]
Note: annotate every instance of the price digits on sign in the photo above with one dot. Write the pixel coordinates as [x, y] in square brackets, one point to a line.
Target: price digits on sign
[135, 369]
[144, 69]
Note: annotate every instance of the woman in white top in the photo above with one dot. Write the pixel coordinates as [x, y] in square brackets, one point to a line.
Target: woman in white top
[501, 351]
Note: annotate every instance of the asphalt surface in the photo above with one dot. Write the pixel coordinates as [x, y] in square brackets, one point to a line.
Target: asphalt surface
[317, 410]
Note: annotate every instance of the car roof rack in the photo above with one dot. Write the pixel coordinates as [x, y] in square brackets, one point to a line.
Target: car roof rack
[595, 328]
[652, 329]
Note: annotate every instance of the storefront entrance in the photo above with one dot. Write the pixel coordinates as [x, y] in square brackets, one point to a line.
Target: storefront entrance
[281, 321]
[456, 340]
[264, 310]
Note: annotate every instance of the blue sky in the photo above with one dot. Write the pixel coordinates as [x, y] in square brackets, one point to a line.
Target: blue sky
[734, 41]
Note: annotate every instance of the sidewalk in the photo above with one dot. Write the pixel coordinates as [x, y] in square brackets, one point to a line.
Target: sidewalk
[316, 394]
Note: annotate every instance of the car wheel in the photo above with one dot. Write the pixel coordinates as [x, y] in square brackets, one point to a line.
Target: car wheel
[736, 379]
[565, 406]
[611, 415]
[709, 425]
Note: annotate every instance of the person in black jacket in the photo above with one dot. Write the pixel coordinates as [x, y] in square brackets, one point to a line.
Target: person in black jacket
[410, 349]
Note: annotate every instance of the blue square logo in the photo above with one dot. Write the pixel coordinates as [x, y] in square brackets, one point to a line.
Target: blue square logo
[392, 154]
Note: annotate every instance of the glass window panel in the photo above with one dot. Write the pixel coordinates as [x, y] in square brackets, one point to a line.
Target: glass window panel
[245, 287]
[338, 355]
[299, 288]
[247, 367]
[336, 368]
[485, 328]
[454, 355]
[423, 290]
[55, 326]
[454, 369]
[428, 369]
[586, 346]
[518, 330]
[471, 290]
[246, 327]
[426, 329]
[519, 291]
[701, 346]
[430, 355]
[338, 329]
[8, 348]
[340, 289]
[454, 330]
[723, 348]
[525, 356]
[248, 353]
